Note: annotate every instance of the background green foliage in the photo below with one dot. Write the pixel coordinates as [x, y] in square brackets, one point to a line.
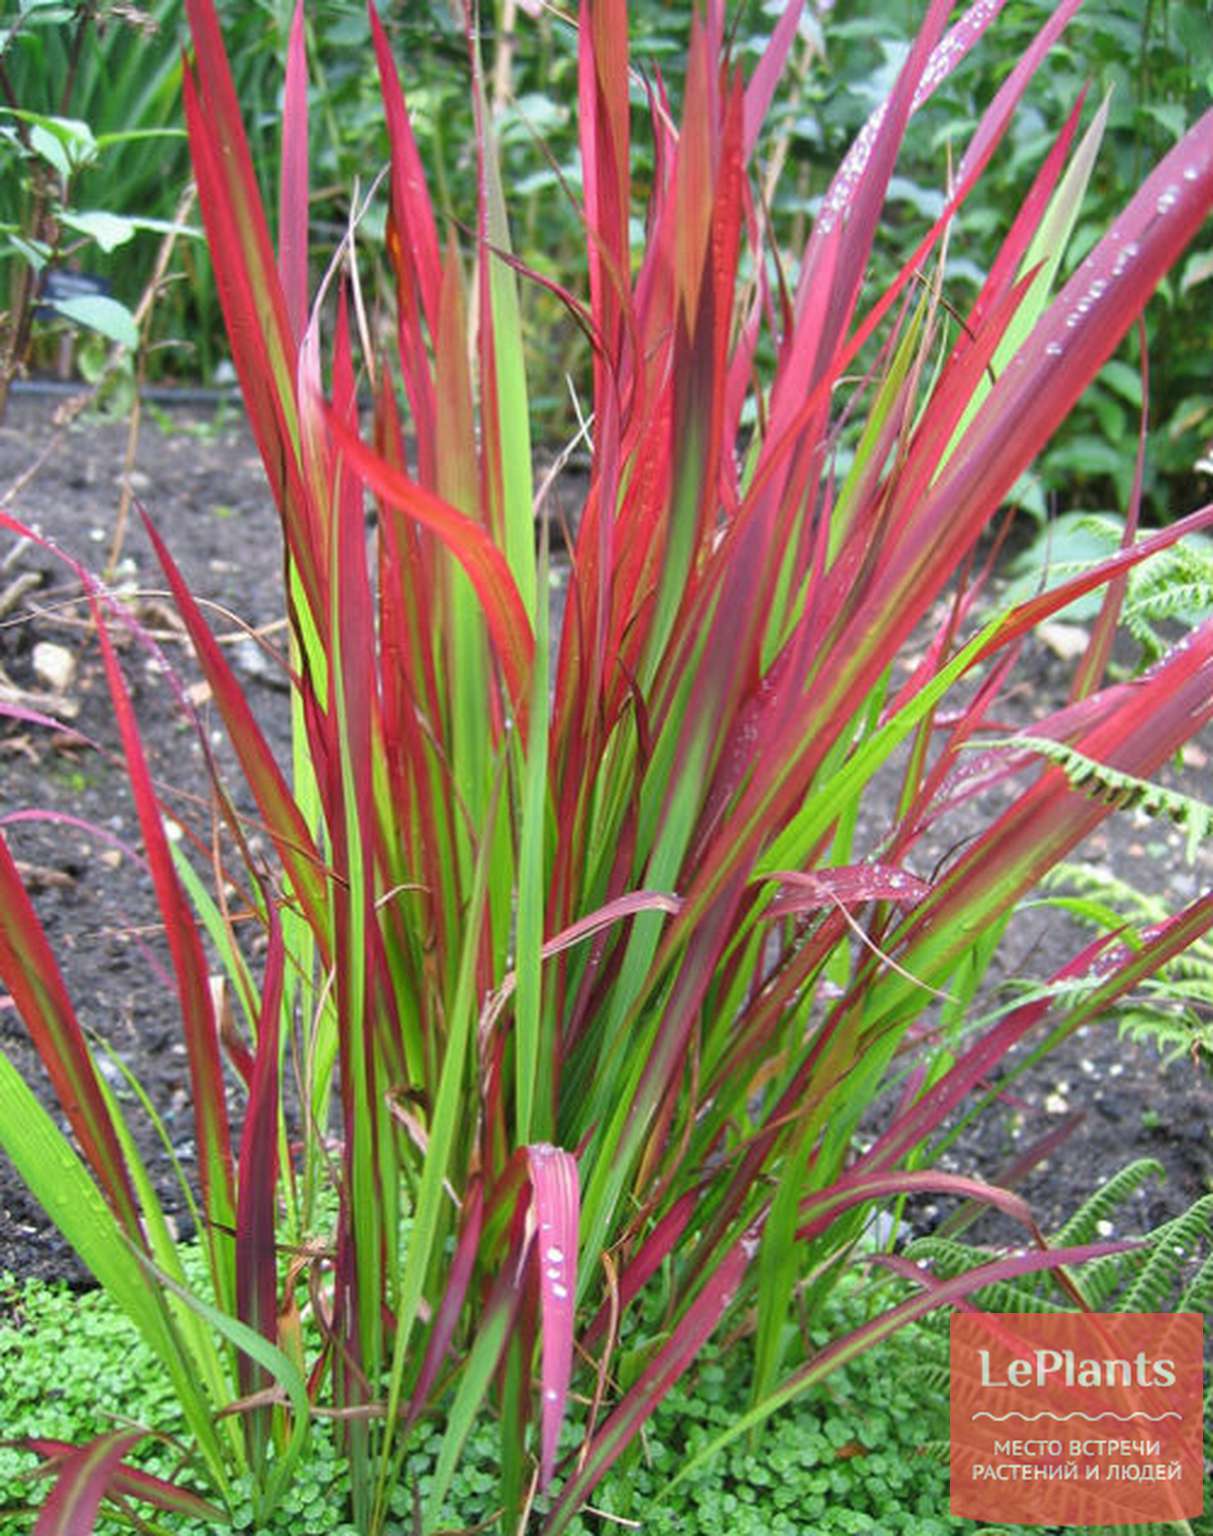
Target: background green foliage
[1156, 61]
[1155, 58]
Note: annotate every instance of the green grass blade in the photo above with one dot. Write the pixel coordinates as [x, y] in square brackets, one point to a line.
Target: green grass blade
[445, 1123]
[61, 1185]
[534, 1041]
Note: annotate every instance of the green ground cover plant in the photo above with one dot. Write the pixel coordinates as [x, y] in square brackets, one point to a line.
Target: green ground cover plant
[845, 1457]
[571, 998]
[865, 1452]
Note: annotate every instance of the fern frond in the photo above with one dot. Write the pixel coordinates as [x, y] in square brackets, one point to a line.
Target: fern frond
[1172, 1033]
[1175, 587]
[1176, 600]
[1196, 965]
[1083, 1226]
[1101, 884]
[946, 1257]
[1103, 1279]
[1197, 1295]
[1171, 1246]
[934, 1380]
[1121, 791]
[1013, 1296]
[1171, 1009]
[1102, 525]
[1139, 1280]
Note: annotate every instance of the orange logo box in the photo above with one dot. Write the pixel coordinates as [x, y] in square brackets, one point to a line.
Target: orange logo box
[1077, 1418]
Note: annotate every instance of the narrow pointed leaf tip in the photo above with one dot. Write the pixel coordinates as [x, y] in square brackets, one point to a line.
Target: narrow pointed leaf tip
[84, 1479]
[555, 1211]
[129, 1482]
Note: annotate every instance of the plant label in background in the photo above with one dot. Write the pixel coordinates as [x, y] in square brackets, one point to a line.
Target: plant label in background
[1077, 1418]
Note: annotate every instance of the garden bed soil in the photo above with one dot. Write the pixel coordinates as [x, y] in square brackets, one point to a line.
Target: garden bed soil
[202, 483]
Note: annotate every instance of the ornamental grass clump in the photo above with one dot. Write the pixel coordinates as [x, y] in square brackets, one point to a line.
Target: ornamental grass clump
[573, 998]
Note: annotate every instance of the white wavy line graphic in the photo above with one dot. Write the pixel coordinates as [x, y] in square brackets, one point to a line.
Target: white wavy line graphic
[1092, 1418]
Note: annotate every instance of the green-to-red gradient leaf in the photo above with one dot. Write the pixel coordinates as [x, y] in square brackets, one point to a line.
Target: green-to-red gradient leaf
[482, 560]
[31, 975]
[190, 970]
[132, 1482]
[283, 819]
[85, 1476]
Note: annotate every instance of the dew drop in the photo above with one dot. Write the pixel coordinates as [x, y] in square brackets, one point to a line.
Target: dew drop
[555, 1256]
[1054, 349]
[560, 1291]
[551, 1395]
[1190, 173]
[1167, 199]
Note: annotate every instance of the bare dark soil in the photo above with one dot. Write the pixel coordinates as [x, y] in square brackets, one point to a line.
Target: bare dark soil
[201, 482]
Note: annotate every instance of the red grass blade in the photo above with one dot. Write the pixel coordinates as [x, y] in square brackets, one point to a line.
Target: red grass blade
[555, 1203]
[935, 1294]
[470, 543]
[256, 1206]
[1160, 712]
[412, 211]
[281, 814]
[264, 348]
[32, 977]
[414, 250]
[1094, 662]
[670, 1362]
[656, 1248]
[454, 1294]
[819, 1210]
[131, 1482]
[606, 156]
[293, 190]
[837, 254]
[85, 1476]
[185, 945]
[851, 886]
[1064, 352]
[767, 73]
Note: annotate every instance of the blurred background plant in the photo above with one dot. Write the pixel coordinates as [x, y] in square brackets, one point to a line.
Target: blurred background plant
[1155, 61]
[117, 70]
[90, 101]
